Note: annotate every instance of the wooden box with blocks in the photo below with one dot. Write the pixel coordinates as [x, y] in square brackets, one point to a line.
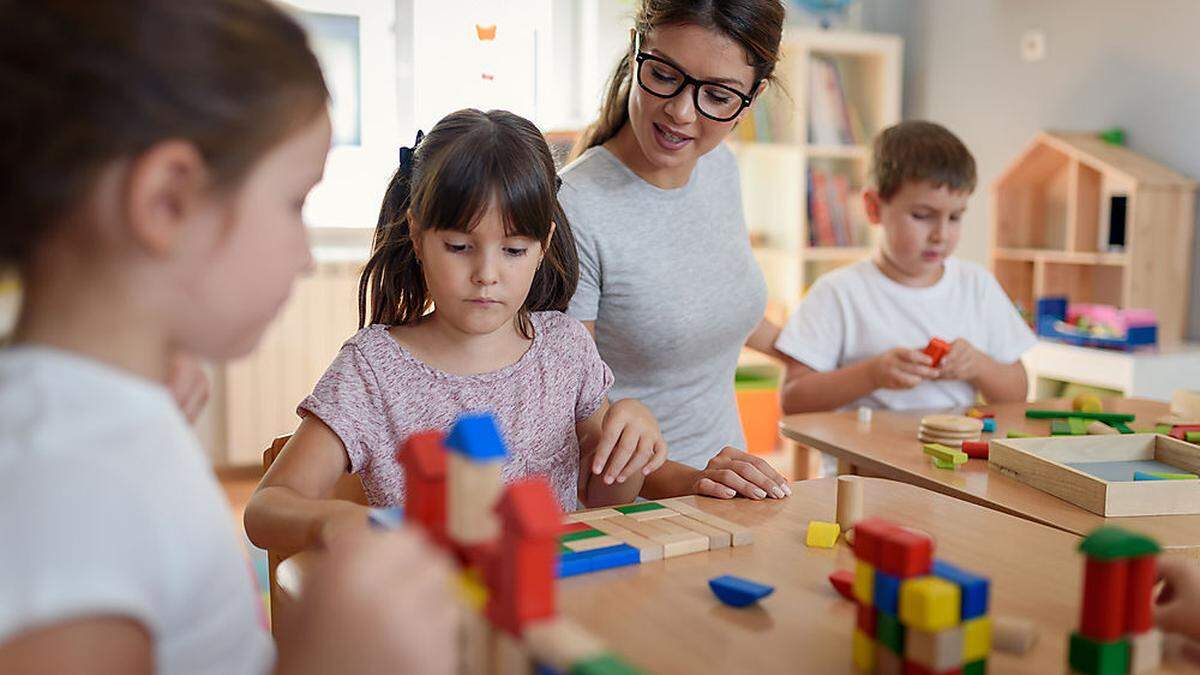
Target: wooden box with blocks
[1107, 475]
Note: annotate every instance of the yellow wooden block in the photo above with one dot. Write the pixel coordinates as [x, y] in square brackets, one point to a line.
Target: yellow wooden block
[929, 603]
[977, 639]
[822, 534]
[864, 583]
[864, 652]
[471, 590]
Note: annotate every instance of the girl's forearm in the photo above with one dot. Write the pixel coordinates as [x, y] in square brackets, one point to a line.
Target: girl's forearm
[281, 520]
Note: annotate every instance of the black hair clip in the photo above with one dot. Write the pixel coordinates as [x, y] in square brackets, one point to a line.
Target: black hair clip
[406, 154]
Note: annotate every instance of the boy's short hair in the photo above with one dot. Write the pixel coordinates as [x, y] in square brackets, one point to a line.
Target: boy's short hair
[917, 150]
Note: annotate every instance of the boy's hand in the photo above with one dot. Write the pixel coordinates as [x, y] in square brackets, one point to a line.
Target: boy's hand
[733, 472]
[902, 368]
[1177, 609]
[629, 442]
[378, 602]
[962, 362]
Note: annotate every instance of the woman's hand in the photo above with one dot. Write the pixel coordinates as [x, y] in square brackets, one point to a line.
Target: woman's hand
[629, 442]
[732, 472]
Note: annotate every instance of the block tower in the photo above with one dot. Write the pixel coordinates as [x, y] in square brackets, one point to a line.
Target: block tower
[1116, 633]
[916, 615]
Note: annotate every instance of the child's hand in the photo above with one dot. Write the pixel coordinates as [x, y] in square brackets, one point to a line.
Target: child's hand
[902, 368]
[1177, 609]
[629, 442]
[378, 602]
[962, 362]
[733, 472]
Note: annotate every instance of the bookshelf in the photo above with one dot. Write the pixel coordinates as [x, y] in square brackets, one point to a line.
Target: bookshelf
[838, 90]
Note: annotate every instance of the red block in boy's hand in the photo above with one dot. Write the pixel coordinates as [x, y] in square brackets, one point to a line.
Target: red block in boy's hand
[936, 349]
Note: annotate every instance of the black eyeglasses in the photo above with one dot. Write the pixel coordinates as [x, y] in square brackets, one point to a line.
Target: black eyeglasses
[657, 77]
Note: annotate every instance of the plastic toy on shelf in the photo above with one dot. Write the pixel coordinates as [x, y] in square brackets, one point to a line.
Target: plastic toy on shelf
[1090, 325]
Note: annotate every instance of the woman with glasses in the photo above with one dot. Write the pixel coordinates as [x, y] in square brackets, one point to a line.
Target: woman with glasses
[668, 284]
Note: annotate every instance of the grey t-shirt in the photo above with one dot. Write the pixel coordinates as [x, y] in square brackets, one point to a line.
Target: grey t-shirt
[670, 280]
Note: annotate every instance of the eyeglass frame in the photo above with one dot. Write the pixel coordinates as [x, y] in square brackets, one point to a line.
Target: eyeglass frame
[641, 57]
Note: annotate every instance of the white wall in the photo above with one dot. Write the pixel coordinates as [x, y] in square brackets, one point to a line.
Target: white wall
[1107, 63]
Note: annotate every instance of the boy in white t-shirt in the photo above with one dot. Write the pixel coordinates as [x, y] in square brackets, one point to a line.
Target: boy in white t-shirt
[858, 335]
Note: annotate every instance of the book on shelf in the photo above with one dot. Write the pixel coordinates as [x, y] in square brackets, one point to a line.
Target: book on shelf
[831, 119]
[820, 218]
[830, 213]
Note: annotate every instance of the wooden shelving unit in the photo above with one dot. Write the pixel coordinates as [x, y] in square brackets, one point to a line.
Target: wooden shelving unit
[774, 172]
[1096, 222]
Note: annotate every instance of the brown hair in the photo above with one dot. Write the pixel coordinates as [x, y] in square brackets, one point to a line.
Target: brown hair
[469, 158]
[89, 83]
[757, 25]
[917, 150]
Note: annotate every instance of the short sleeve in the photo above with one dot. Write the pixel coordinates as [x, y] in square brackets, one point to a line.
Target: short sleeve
[348, 400]
[585, 304]
[76, 544]
[815, 332]
[595, 379]
[1008, 335]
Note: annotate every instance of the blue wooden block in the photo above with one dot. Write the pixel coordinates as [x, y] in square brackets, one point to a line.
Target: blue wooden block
[738, 592]
[989, 425]
[615, 556]
[388, 518]
[887, 593]
[477, 437]
[571, 564]
[1142, 475]
[975, 589]
[543, 669]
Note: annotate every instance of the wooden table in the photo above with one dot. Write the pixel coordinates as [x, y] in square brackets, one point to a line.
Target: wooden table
[662, 617]
[888, 448]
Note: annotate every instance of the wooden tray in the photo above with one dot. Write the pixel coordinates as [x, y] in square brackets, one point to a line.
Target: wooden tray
[1042, 463]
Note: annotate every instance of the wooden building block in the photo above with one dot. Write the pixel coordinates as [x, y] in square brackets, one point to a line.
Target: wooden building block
[866, 619]
[741, 535]
[888, 662]
[821, 534]
[648, 549]
[675, 542]
[1098, 657]
[864, 582]
[559, 643]
[1099, 428]
[473, 488]
[973, 588]
[738, 592]
[930, 604]
[640, 507]
[1077, 426]
[843, 582]
[717, 538]
[977, 639]
[935, 350]
[592, 543]
[849, 501]
[975, 449]
[1145, 651]
[905, 553]
[1139, 603]
[889, 632]
[864, 651]
[868, 539]
[1105, 591]
[1013, 635]
[588, 516]
[938, 651]
[887, 593]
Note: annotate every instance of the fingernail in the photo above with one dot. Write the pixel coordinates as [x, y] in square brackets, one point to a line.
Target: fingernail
[788, 489]
[760, 493]
[620, 479]
[730, 493]
[777, 491]
[608, 480]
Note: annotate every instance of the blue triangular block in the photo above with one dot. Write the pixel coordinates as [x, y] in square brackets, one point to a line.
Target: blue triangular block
[477, 437]
[738, 592]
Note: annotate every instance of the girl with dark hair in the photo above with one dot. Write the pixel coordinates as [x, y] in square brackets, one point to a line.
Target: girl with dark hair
[668, 284]
[157, 157]
[473, 265]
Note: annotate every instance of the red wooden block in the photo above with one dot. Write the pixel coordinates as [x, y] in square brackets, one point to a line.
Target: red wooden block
[1105, 590]
[976, 449]
[904, 553]
[868, 539]
[936, 349]
[1180, 430]
[843, 583]
[568, 528]
[1143, 573]
[866, 619]
[424, 460]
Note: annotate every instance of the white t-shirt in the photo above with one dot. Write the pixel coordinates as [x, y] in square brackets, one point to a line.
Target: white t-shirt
[856, 312]
[108, 507]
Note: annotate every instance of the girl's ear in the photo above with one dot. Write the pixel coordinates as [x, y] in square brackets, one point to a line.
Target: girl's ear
[414, 233]
[872, 205]
[166, 186]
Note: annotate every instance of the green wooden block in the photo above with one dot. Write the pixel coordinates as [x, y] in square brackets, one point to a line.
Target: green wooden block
[889, 631]
[1060, 428]
[1175, 476]
[638, 508]
[1078, 426]
[945, 453]
[944, 464]
[1192, 436]
[605, 664]
[582, 534]
[1110, 418]
[1122, 427]
[1113, 543]
[1019, 434]
[1162, 429]
[975, 668]
[1098, 658]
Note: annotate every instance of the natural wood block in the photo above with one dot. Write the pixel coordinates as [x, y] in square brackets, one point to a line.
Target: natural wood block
[652, 515]
[588, 516]
[717, 538]
[849, 501]
[648, 548]
[938, 651]
[592, 543]
[1145, 651]
[472, 491]
[742, 536]
[559, 643]
[1013, 635]
[675, 542]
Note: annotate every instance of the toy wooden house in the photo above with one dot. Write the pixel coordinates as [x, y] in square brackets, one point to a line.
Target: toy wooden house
[1074, 215]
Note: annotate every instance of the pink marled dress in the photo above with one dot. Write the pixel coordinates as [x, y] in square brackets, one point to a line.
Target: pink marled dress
[375, 394]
